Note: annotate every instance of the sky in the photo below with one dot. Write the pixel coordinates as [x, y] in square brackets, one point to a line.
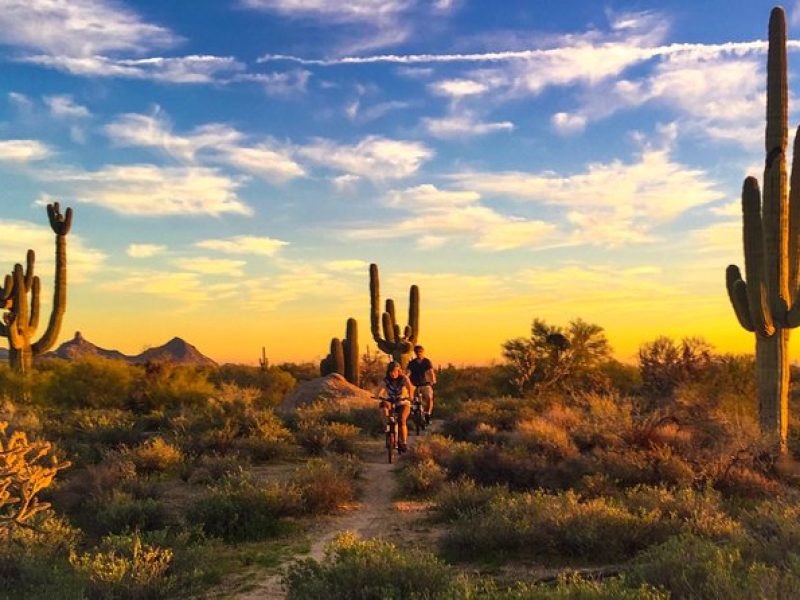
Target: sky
[234, 167]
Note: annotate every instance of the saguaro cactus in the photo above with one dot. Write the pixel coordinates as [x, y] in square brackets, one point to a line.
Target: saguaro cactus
[343, 357]
[263, 363]
[21, 321]
[768, 302]
[398, 344]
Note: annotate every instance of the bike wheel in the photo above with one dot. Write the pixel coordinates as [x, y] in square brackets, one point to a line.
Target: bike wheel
[418, 421]
[390, 444]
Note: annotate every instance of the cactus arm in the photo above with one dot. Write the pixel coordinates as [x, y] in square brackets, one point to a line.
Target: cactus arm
[33, 323]
[754, 259]
[388, 328]
[794, 222]
[775, 226]
[59, 293]
[350, 345]
[374, 302]
[59, 223]
[413, 313]
[737, 292]
[337, 352]
[20, 304]
[15, 338]
[391, 311]
[30, 261]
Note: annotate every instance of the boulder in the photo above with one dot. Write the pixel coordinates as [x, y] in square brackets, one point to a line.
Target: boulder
[333, 389]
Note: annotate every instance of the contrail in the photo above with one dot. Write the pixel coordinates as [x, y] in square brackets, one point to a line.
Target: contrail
[709, 50]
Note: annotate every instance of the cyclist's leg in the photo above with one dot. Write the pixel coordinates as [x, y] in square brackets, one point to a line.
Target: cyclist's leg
[384, 408]
[427, 395]
[403, 410]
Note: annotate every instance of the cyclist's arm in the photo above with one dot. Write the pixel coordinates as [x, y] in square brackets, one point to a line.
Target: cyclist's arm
[409, 387]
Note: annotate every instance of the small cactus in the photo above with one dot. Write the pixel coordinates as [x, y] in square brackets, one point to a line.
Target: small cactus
[262, 361]
[343, 357]
[395, 342]
[21, 319]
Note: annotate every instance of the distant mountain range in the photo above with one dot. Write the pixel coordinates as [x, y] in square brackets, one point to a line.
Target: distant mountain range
[176, 350]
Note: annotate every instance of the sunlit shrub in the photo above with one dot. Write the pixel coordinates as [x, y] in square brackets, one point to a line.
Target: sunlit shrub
[156, 455]
[325, 485]
[422, 478]
[90, 382]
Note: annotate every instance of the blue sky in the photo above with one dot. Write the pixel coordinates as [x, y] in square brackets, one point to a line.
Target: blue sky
[235, 166]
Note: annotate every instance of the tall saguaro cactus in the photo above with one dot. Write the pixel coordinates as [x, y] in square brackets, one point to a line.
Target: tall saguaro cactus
[394, 341]
[21, 321]
[343, 357]
[768, 302]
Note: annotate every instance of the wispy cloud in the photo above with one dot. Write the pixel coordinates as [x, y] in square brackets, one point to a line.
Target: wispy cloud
[285, 84]
[244, 244]
[214, 142]
[145, 250]
[441, 215]
[374, 157]
[150, 190]
[22, 151]
[192, 69]
[609, 203]
[63, 106]
[463, 124]
[211, 266]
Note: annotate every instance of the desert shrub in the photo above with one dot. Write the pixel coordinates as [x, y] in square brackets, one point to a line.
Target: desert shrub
[89, 382]
[561, 525]
[232, 421]
[156, 455]
[369, 570]
[422, 478]
[121, 512]
[325, 485]
[605, 417]
[543, 436]
[135, 572]
[210, 468]
[165, 385]
[335, 437]
[237, 509]
[272, 384]
[574, 587]
[464, 497]
[33, 561]
[773, 529]
[688, 566]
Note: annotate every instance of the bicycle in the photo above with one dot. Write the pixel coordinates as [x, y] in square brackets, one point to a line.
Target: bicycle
[417, 414]
[391, 428]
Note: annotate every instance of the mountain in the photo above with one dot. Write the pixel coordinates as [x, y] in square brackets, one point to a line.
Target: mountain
[176, 350]
[78, 346]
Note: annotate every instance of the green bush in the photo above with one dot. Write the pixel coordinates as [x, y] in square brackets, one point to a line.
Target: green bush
[239, 510]
[89, 382]
[422, 478]
[271, 384]
[462, 498]
[369, 570]
[138, 572]
[317, 436]
[121, 512]
[688, 566]
[326, 485]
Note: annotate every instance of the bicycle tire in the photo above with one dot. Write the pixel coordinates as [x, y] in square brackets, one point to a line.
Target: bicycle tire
[390, 443]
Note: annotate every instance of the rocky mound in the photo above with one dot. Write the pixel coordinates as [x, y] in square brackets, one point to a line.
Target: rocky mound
[177, 351]
[332, 388]
[79, 346]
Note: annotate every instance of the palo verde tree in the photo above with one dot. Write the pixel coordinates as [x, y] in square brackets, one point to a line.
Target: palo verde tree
[553, 356]
[767, 302]
[20, 298]
[394, 341]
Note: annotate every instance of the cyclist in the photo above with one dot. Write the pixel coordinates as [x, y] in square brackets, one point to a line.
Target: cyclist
[391, 394]
[420, 369]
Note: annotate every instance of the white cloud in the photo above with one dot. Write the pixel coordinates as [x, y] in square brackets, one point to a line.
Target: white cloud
[348, 266]
[215, 142]
[78, 28]
[187, 288]
[439, 215]
[193, 69]
[21, 151]
[63, 106]
[609, 203]
[244, 244]
[374, 157]
[345, 183]
[211, 266]
[286, 84]
[145, 250]
[351, 11]
[149, 190]
[463, 125]
[458, 88]
[568, 124]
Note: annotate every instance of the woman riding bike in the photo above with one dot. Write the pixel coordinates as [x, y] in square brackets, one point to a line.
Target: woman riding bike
[392, 398]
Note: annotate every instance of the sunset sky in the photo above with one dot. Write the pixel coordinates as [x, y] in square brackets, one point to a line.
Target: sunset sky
[234, 166]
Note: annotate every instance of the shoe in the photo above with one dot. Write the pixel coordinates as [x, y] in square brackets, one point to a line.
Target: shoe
[427, 419]
[401, 448]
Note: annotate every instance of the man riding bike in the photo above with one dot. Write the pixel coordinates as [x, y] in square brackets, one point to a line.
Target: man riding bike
[391, 394]
[423, 377]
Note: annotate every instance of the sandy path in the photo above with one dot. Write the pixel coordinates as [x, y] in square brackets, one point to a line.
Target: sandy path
[373, 516]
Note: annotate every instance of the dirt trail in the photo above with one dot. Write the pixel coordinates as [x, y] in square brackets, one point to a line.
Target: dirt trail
[375, 515]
